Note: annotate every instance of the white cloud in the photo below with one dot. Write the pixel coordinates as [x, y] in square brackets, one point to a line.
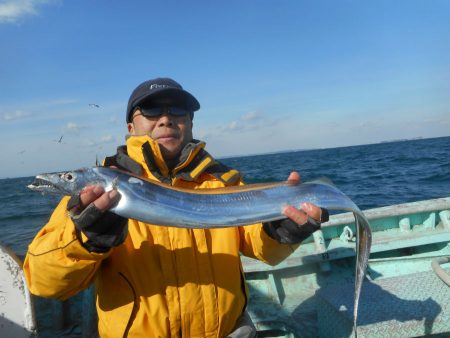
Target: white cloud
[251, 121]
[232, 126]
[250, 116]
[17, 115]
[114, 120]
[72, 127]
[105, 139]
[438, 120]
[248, 121]
[12, 11]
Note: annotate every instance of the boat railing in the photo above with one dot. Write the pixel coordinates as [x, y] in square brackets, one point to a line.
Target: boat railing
[394, 227]
[397, 210]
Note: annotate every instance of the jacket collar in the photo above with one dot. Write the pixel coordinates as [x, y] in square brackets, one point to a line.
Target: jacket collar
[193, 159]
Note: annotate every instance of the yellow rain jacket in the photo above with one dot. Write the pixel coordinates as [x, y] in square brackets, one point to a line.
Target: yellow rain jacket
[162, 281]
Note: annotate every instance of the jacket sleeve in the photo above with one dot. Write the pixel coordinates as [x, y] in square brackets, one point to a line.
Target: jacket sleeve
[255, 243]
[56, 264]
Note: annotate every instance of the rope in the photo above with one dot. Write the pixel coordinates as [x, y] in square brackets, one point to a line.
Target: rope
[439, 271]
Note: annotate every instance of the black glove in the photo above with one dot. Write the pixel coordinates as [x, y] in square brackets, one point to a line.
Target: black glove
[103, 229]
[287, 231]
[122, 161]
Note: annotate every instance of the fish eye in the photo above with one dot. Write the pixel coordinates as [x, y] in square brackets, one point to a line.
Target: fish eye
[69, 177]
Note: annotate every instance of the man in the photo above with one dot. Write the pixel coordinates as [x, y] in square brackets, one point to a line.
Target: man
[155, 281]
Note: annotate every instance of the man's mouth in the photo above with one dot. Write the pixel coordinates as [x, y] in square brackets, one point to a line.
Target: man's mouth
[167, 138]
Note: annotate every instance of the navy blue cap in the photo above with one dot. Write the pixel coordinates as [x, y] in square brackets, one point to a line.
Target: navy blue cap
[161, 91]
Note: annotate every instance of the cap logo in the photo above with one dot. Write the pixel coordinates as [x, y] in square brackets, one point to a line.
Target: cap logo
[155, 86]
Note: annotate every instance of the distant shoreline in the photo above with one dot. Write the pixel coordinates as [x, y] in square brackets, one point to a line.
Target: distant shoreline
[311, 149]
[406, 139]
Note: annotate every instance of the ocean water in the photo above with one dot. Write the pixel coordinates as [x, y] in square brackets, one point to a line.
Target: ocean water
[371, 175]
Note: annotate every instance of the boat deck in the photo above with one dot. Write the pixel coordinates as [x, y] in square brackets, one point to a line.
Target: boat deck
[414, 305]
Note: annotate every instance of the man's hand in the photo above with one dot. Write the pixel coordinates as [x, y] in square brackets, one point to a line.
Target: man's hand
[300, 224]
[97, 195]
[89, 212]
[306, 209]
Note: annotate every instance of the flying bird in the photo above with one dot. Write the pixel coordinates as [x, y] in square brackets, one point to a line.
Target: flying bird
[60, 139]
[94, 105]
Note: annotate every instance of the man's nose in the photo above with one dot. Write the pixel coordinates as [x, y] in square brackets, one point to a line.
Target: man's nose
[165, 119]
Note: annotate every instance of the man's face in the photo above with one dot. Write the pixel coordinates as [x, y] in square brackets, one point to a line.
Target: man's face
[171, 132]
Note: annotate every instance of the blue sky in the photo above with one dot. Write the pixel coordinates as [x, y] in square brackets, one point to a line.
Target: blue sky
[270, 75]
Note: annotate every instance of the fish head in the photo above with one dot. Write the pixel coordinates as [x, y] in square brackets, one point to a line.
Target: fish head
[65, 183]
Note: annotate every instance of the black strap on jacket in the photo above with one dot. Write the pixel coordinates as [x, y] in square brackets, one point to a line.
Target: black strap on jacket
[205, 163]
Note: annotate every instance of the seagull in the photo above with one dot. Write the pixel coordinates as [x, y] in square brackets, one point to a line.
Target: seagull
[94, 105]
[21, 152]
[60, 139]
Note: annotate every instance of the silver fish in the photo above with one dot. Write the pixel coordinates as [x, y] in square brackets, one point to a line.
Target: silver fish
[156, 203]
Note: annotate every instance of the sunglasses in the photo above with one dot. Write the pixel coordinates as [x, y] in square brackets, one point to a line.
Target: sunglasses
[158, 111]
